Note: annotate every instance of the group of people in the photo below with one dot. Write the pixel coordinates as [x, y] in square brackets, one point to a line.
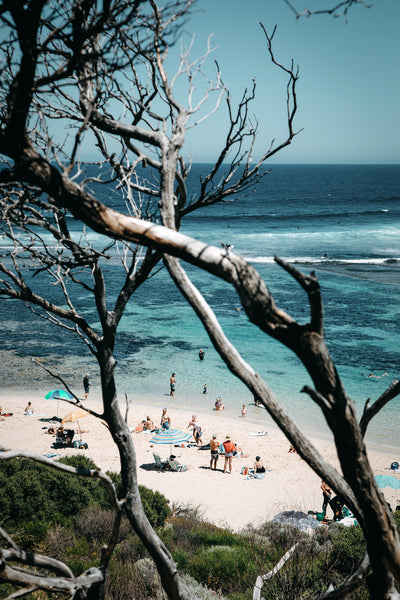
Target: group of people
[335, 503]
[229, 449]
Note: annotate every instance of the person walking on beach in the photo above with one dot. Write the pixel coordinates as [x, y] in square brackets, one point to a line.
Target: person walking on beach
[86, 386]
[326, 495]
[196, 430]
[244, 411]
[229, 448]
[165, 419]
[172, 383]
[214, 446]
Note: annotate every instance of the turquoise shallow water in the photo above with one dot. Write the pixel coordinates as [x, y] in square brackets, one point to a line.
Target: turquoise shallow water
[350, 214]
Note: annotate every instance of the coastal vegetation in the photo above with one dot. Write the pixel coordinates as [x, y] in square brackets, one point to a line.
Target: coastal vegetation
[101, 70]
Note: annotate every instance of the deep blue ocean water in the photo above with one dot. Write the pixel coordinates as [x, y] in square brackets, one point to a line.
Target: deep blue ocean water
[341, 221]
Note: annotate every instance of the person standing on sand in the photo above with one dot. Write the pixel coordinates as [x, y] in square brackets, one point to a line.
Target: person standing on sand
[326, 494]
[214, 446]
[196, 430]
[165, 419]
[172, 383]
[244, 411]
[86, 386]
[229, 448]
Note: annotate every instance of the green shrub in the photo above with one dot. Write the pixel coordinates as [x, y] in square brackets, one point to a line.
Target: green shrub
[155, 505]
[31, 491]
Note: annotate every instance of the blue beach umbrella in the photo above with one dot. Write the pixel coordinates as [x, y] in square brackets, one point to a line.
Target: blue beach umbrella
[58, 395]
[170, 436]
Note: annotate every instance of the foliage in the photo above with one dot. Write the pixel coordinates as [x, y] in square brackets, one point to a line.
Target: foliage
[156, 506]
[33, 496]
[31, 491]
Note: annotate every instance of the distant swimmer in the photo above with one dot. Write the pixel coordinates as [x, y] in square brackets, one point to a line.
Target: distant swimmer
[205, 390]
[325, 255]
[376, 376]
[201, 354]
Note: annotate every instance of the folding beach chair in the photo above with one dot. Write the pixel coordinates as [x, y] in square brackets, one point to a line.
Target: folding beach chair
[159, 463]
[175, 466]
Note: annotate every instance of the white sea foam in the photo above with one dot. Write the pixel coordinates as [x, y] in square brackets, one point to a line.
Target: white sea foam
[322, 260]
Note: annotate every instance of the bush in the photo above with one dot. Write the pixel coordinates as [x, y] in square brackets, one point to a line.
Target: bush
[31, 491]
[155, 505]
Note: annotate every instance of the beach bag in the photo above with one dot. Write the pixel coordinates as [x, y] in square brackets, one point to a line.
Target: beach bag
[320, 517]
[394, 466]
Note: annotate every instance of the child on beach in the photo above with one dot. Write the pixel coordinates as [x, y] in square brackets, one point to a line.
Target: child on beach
[244, 411]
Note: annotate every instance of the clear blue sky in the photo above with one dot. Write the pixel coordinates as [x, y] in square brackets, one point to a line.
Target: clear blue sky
[349, 87]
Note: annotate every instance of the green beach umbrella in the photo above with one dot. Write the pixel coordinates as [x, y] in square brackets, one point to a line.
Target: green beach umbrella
[58, 395]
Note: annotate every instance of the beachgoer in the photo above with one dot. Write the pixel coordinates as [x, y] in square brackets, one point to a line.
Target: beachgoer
[201, 354]
[336, 505]
[205, 390]
[165, 419]
[326, 494]
[172, 383]
[196, 430]
[258, 466]
[244, 411]
[214, 445]
[86, 385]
[149, 424]
[218, 404]
[292, 449]
[29, 410]
[229, 449]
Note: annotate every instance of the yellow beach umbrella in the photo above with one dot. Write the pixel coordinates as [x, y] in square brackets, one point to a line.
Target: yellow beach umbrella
[75, 415]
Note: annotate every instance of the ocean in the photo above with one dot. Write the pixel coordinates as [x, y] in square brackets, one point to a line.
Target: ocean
[341, 221]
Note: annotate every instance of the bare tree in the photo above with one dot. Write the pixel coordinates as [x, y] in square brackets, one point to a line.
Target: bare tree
[103, 71]
[338, 9]
[99, 70]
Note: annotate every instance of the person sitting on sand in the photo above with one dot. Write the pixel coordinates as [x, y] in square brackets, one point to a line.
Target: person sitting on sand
[292, 449]
[165, 419]
[214, 446]
[218, 404]
[29, 410]
[196, 430]
[258, 465]
[149, 425]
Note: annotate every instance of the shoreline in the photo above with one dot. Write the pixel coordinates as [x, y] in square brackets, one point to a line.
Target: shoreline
[229, 500]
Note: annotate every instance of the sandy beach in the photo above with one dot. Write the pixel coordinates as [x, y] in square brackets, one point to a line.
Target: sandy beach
[224, 499]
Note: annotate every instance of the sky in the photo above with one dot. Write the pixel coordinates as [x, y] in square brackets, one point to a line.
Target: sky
[349, 88]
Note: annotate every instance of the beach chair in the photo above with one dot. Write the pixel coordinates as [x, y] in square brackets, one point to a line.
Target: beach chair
[175, 466]
[159, 463]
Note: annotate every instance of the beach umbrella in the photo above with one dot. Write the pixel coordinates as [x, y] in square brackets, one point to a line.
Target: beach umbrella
[297, 519]
[387, 481]
[170, 436]
[75, 415]
[59, 395]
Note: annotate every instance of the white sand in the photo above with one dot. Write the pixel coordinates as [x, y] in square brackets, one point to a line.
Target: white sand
[224, 499]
